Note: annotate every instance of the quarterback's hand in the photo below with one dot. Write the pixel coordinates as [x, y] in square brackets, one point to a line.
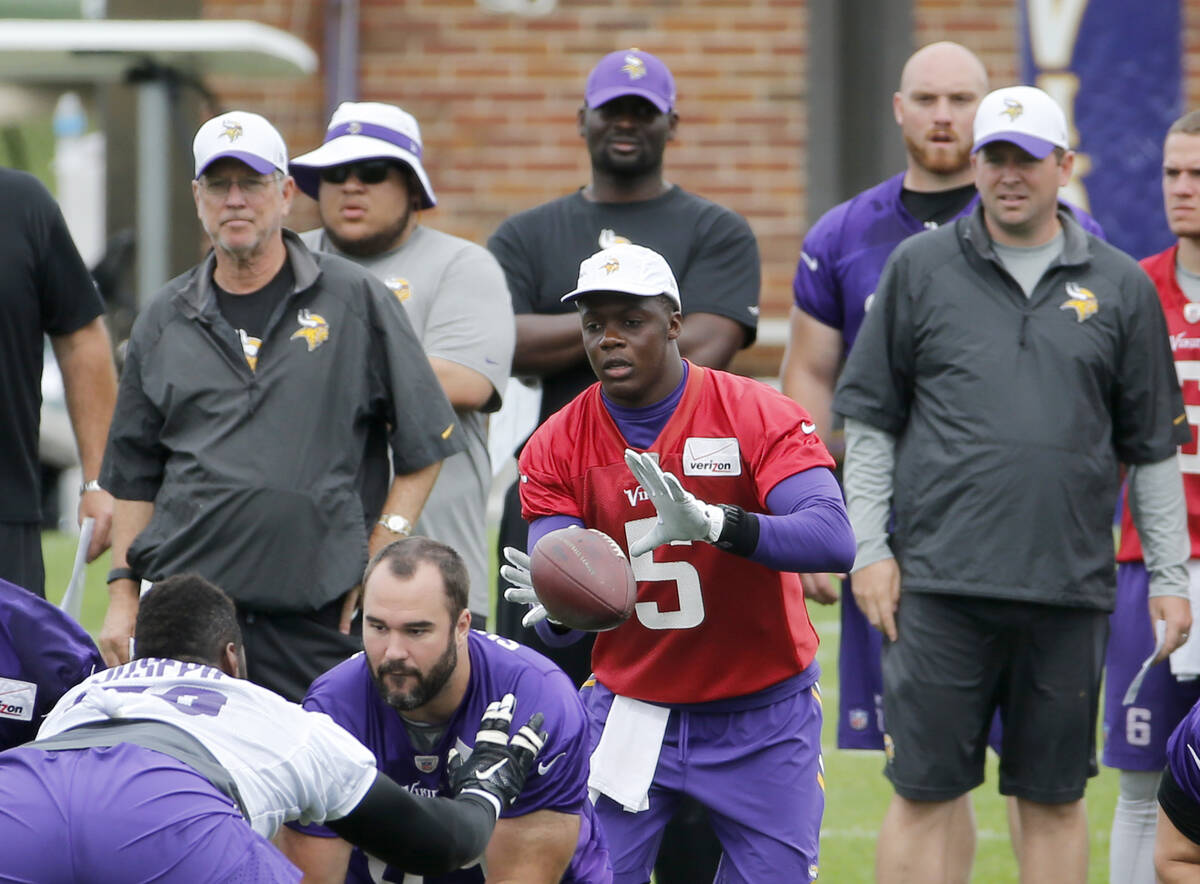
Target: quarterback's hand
[521, 592]
[680, 515]
[877, 592]
[498, 765]
[1176, 612]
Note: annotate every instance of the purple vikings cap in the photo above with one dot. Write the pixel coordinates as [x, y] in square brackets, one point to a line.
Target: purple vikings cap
[1023, 115]
[243, 136]
[631, 72]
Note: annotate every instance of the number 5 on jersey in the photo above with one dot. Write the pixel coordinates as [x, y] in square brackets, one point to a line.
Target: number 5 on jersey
[682, 574]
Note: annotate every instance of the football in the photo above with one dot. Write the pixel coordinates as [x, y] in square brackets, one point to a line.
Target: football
[583, 579]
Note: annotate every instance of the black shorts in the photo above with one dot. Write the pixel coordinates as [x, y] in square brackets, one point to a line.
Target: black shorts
[957, 659]
[21, 556]
[285, 652]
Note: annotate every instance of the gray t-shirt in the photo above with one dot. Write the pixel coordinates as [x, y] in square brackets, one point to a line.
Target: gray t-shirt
[1026, 264]
[457, 300]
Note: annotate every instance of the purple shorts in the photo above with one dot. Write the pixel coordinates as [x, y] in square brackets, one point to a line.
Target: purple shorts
[1135, 736]
[758, 771]
[860, 679]
[120, 815]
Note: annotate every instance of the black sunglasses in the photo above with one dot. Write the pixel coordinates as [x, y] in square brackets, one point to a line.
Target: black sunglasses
[366, 171]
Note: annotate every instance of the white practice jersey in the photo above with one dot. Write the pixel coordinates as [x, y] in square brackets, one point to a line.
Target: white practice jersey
[288, 763]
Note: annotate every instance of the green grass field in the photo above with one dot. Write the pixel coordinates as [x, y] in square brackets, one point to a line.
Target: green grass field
[857, 792]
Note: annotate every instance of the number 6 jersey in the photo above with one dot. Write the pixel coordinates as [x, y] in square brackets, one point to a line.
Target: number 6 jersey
[288, 763]
[708, 625]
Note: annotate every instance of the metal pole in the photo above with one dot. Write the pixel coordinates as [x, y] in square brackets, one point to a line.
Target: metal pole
[341, 53]
[153, 185]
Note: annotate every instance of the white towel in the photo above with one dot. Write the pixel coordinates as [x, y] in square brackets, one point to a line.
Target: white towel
[1185, 660]
[1160, 635]
[627, 754]
[72, 601]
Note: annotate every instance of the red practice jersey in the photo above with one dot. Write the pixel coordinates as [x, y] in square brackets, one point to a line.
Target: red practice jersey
[708, 625]
[1183, 325]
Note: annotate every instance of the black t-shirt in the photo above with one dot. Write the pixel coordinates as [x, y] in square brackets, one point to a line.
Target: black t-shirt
[45, 288]
[938, 206]
[248, 313]
[711, 250]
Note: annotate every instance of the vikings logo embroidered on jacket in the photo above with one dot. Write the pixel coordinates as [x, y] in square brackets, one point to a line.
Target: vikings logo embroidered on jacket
[1081, 300]
[314, 330]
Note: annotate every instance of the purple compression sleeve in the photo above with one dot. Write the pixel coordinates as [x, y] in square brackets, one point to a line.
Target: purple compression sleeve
[808, 530]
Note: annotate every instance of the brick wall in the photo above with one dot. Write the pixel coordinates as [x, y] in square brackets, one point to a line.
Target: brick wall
[496, 96]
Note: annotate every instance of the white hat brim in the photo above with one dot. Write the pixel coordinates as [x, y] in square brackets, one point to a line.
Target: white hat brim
[306, 168]
[643, 291]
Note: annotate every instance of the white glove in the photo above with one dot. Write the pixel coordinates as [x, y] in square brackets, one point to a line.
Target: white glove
[521, 591]
[680, 515]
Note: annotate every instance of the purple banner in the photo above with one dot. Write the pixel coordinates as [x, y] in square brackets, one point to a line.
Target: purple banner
[1116, 68]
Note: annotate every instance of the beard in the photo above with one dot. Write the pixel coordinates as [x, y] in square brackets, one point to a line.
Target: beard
[940, 158]
[427, 686]
[373, 244]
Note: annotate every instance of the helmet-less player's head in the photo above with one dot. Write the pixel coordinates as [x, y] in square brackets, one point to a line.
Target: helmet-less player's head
[187, 618]
[628, 113]
[628, 303]
[1181, 176]
[415, 624]
[940, 88]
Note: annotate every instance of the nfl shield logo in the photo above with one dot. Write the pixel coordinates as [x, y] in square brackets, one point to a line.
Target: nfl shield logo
[859, 719]
[426, 763]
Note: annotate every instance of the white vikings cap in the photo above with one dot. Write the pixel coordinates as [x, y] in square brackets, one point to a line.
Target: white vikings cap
[365, 130]
[1023, 115]
[626, 269]
[243, 136]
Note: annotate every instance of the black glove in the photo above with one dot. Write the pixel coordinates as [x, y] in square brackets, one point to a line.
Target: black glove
[498, 765]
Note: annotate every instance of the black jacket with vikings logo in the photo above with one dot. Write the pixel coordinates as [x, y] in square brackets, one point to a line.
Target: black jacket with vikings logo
[255, 474]
[1012, 414]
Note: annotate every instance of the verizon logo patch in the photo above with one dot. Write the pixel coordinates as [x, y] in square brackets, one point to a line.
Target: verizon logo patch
[712, 457]
[17, 699]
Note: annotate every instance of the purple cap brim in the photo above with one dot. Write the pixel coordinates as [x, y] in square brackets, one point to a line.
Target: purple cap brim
[255, 162]
[601, 96]
[1039, 148]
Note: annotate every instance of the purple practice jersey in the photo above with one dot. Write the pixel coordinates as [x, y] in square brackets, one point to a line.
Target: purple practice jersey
[43, 654]
[846, 249]
[558, 782]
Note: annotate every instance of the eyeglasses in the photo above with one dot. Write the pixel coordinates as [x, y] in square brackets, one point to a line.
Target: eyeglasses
[366, 171]
[250, 187]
